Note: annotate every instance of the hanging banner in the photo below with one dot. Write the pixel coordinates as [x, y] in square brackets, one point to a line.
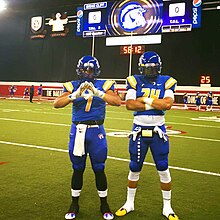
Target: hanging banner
[37, 27]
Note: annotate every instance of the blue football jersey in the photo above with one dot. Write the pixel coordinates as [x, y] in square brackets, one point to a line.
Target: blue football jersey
[92, 109]
[39, 91]
[209, 100]
[145, 88]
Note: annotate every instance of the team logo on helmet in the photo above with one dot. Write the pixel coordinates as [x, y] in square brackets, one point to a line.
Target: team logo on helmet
[197, 3]
[132, 17]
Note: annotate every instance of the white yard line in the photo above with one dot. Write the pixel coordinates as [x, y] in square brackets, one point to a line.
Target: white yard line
[109, 157]
[109, 129]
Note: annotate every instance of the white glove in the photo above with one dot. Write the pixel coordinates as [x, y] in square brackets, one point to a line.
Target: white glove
[78, 92]
[95, 91]
[83, 87]
[86, 93]
[160, 133]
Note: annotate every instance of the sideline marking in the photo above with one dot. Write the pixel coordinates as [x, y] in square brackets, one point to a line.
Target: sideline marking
[110, 129]
[122, 119]
[110, 157]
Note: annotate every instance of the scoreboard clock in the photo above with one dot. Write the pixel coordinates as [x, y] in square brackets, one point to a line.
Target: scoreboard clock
[205, 79]
[134, 49]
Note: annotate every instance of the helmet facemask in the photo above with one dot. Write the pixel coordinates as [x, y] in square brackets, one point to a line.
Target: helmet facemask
[150, 70]
[150, 65]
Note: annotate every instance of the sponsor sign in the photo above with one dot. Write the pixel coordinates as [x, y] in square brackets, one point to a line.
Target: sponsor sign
[196, 13]
[79, 21]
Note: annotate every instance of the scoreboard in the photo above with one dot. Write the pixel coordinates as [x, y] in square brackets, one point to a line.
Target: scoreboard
[134, 49]
[205, 79]
[140, 17]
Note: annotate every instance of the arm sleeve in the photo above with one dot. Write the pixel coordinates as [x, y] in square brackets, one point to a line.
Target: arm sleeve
[131, 94]
[169, 93]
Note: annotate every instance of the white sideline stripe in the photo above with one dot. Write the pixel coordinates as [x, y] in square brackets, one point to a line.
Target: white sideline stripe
[193, 125]
[171, 167]
[112, 158]
[110, 129]
[170, 122]
[50, 123]
[33, 146]
[122, 119]
[196, 138]
[34, 122]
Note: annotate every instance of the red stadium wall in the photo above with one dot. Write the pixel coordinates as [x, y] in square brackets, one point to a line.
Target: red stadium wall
[52, 90]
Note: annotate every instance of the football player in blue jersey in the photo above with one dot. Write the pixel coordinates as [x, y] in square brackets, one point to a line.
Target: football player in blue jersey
[185, 100]
[209, 101]
[26, 92]
[149, 95]
[12, 89]
[39, 93]
[198, 101]
[88, 97]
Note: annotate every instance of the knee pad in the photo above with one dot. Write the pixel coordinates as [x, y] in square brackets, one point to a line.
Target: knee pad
[162, 165]
[164, 176]
[97, 167]
[77, 179]
[101, 181]
[135, 166]
[133, 176]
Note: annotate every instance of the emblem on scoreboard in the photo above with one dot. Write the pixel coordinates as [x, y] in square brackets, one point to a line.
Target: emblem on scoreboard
[37, 27]
[131, 16]
[36, 23]
[58, 25]
[138, 17]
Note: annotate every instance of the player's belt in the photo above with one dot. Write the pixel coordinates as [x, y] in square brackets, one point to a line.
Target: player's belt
[90, 122]
[148, 133]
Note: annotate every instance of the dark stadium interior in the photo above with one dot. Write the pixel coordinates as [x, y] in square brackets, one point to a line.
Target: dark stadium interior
[185, 55]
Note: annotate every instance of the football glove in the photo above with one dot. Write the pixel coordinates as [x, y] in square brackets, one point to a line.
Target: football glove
[95, 91]
[77, 93]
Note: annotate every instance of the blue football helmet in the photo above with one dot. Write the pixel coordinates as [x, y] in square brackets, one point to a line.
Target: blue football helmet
[150, 65]
[88, 67]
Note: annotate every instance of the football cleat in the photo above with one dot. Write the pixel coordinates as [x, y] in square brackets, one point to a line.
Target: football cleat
[108, 216]
[70, 216]
[125, 209]
[73, 210]
[173, 217]
[106, 212]
[121, 212]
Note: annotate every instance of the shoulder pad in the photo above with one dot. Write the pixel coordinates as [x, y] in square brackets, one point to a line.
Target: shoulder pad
[132, 81]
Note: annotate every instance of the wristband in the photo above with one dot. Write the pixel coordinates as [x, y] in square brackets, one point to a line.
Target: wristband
[100, 94]
[148, 107]
[148, 101]
[72, 96]
[103, 96]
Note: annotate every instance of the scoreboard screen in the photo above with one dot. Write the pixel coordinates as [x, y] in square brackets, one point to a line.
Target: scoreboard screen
[177, 16]
[140, 17]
